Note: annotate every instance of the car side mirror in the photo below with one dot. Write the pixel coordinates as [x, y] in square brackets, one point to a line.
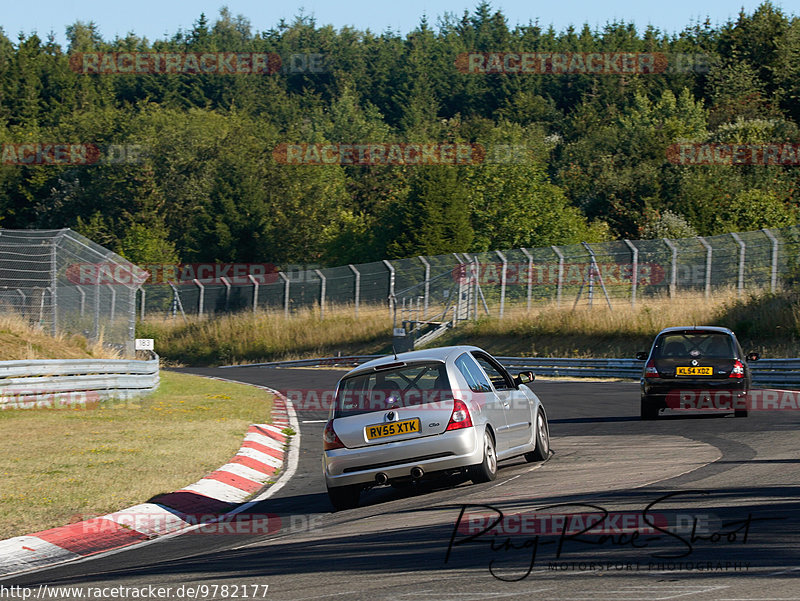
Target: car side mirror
[753, 356]
[524, 377]
[641, 356]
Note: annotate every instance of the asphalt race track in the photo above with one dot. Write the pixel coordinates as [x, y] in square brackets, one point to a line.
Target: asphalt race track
[732, 485]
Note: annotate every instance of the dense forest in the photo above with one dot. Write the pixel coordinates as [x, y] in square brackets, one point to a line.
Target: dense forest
[201, 179]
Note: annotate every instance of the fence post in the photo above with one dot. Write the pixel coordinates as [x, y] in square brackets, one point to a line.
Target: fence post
[141, 303]
[200, 298]
[634, 270]
[773, 279]
[285, 279]
[502, 282]
[83, 299]
[559, 285]
[673, 276]
[255, 291]
[529, 256]
[357, 283]
[709, 251]
[54, 283]
[740, 282]
[321, 293]
[227, 292]
[24, 301]
[391, 277]
[427, 282]
[113, 302]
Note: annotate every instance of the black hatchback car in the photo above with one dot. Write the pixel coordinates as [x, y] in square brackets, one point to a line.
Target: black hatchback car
[695, 367]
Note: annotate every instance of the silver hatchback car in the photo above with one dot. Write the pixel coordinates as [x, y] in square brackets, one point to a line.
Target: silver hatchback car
[404, 417]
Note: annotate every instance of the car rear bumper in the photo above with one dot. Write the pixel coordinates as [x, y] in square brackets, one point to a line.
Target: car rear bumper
[664, 393]
[447, 451]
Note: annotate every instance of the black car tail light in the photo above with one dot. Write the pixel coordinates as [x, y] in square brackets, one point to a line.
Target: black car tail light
[650, 370]
[738, 370]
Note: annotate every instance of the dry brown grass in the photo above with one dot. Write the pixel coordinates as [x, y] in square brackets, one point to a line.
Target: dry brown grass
[58, 465]
[764, 322]
[19, 339]
[269, 335]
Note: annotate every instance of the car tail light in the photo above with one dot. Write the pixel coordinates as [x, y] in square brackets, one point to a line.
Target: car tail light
[460, 417]
[650, 370]
[329, 439]
[738, 370]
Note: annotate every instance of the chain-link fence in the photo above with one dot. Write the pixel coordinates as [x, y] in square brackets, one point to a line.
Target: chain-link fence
[436, 289]
[66, 283]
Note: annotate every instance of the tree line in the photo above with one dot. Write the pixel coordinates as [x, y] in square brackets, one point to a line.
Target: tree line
[183, 166]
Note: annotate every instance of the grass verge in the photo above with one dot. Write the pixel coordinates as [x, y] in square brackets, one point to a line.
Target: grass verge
[58, 465]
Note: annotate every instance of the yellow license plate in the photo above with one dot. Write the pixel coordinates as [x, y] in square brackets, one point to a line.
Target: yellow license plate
[694, 371]
[407, 426]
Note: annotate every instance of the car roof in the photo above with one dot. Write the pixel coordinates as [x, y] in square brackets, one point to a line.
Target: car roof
[441, 353]
[718, 329]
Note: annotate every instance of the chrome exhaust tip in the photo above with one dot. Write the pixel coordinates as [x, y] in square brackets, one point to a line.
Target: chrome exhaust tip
[417, 472]
[381, 478]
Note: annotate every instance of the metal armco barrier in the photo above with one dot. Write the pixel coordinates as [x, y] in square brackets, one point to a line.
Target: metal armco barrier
[53, 382]
[766, 372]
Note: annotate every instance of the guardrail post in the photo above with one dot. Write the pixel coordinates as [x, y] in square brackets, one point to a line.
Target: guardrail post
[709, 252]
[529, 256]
[560, 283]
[673, 276]
[391, 277]
[286, 285]
[227, 292]
[502, 282]
[634, 270]
[357, 285]
[740, 282]
[427, 282]
[255, 291]
[321, 293]
[201, 297]
[773, 277]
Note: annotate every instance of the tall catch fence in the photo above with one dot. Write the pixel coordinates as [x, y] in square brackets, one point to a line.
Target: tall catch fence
[65, 283]
[426, 294]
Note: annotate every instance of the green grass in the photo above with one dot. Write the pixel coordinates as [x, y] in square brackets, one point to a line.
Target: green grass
[58, 465]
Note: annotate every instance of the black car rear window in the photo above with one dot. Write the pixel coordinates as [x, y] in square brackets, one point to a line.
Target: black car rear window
[406, 386]
[694, 344]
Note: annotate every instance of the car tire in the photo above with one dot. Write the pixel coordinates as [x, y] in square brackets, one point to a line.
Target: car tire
[542, 450]
[648, 410]
[740, 413]
[486, 470]
[344, 497]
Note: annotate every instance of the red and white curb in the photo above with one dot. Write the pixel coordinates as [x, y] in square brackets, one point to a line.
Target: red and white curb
[221, 493]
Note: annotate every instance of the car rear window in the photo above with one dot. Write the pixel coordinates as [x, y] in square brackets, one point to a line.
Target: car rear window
[406, 386]
[694, 344]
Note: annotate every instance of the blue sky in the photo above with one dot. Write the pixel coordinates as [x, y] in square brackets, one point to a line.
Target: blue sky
[154, 19]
